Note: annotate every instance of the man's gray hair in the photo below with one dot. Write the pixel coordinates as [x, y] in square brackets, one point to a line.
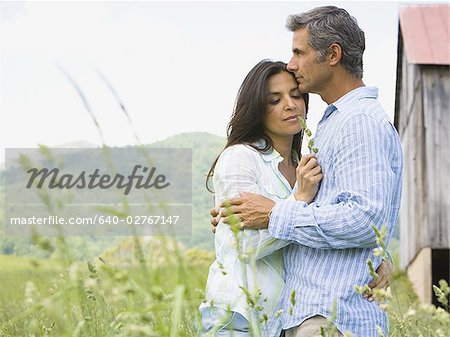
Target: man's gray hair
[327, 25]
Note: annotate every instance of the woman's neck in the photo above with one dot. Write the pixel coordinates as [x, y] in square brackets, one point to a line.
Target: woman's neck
[284, 148]
[287, 166]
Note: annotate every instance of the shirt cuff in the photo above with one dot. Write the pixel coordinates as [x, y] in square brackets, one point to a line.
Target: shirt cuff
[291, 197]
[282, 218]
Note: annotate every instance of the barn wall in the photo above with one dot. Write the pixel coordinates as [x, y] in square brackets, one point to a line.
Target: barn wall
[436, 107]
[419, 272]
[413, 231]
[424, 127]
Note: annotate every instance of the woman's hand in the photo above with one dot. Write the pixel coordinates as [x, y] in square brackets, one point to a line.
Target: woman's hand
[309, 175]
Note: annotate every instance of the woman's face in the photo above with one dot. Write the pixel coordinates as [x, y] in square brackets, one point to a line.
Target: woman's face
[284, 105]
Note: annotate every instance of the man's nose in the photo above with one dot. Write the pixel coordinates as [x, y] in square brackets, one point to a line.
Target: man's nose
[292, 65]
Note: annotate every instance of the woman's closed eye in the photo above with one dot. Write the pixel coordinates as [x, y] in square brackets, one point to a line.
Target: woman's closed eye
[274, 101]
[296, 94]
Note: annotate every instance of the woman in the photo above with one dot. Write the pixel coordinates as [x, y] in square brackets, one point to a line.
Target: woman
[261, 156]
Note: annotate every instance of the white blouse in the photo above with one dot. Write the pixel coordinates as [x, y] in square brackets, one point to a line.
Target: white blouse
[241, 168]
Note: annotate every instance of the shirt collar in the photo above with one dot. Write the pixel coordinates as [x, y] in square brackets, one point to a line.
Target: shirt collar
[349, 98]
[355, 95]
[272, 154]
[269, 155]
[328, 111]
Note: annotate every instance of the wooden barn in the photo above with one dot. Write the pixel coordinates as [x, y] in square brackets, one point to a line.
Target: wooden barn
[422, 117]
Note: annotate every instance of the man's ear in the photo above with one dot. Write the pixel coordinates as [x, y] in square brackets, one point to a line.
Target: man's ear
[335, 54]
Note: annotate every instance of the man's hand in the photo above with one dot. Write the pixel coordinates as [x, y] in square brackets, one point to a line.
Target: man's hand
[215, 218]
[385, 272]
[251, 209]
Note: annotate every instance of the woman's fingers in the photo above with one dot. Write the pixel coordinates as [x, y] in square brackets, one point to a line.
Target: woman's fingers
[310, 170]
[306, 165]
[311, 163]
[318, 178]
[304, 159]
[315, 171]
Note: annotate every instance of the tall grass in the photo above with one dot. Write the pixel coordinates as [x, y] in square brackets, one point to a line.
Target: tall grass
[44, 298]
[99, 299]
[156, 293]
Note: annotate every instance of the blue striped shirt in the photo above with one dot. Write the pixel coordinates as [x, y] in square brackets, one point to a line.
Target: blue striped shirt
[361, 159]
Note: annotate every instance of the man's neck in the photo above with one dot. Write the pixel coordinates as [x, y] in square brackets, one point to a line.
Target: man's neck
[340, 85]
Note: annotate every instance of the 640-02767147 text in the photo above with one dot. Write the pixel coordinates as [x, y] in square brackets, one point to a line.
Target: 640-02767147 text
[97, 220]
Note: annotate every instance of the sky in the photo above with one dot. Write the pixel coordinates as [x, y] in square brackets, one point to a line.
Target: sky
[175, 66]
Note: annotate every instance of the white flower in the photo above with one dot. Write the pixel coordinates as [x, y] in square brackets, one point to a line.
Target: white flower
[90, 283]
[74, 272]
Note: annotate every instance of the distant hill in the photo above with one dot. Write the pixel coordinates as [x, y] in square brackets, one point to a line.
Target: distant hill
[205, 147]
[194, 140]
[78, 144]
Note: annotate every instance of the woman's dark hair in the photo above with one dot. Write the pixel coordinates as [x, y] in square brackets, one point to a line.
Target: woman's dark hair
[247, 122]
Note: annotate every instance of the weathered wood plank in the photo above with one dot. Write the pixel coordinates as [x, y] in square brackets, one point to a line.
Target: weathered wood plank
[413, 233]
[436, 107]
[424, 127]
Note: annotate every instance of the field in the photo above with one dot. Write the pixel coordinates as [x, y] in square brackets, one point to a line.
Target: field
[72, 298]
[46, 298]
[84, 286]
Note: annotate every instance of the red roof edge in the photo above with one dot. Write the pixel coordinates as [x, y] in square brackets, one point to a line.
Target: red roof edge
[425, 31]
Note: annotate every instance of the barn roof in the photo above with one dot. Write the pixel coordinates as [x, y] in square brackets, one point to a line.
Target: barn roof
[425, 31]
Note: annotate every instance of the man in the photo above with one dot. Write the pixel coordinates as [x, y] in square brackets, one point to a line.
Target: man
[361, 159]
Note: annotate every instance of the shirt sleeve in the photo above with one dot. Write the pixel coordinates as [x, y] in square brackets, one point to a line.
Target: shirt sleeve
[364, 182]
[237, 171]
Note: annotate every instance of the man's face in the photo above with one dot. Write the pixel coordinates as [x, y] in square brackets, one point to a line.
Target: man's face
[311, 75]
